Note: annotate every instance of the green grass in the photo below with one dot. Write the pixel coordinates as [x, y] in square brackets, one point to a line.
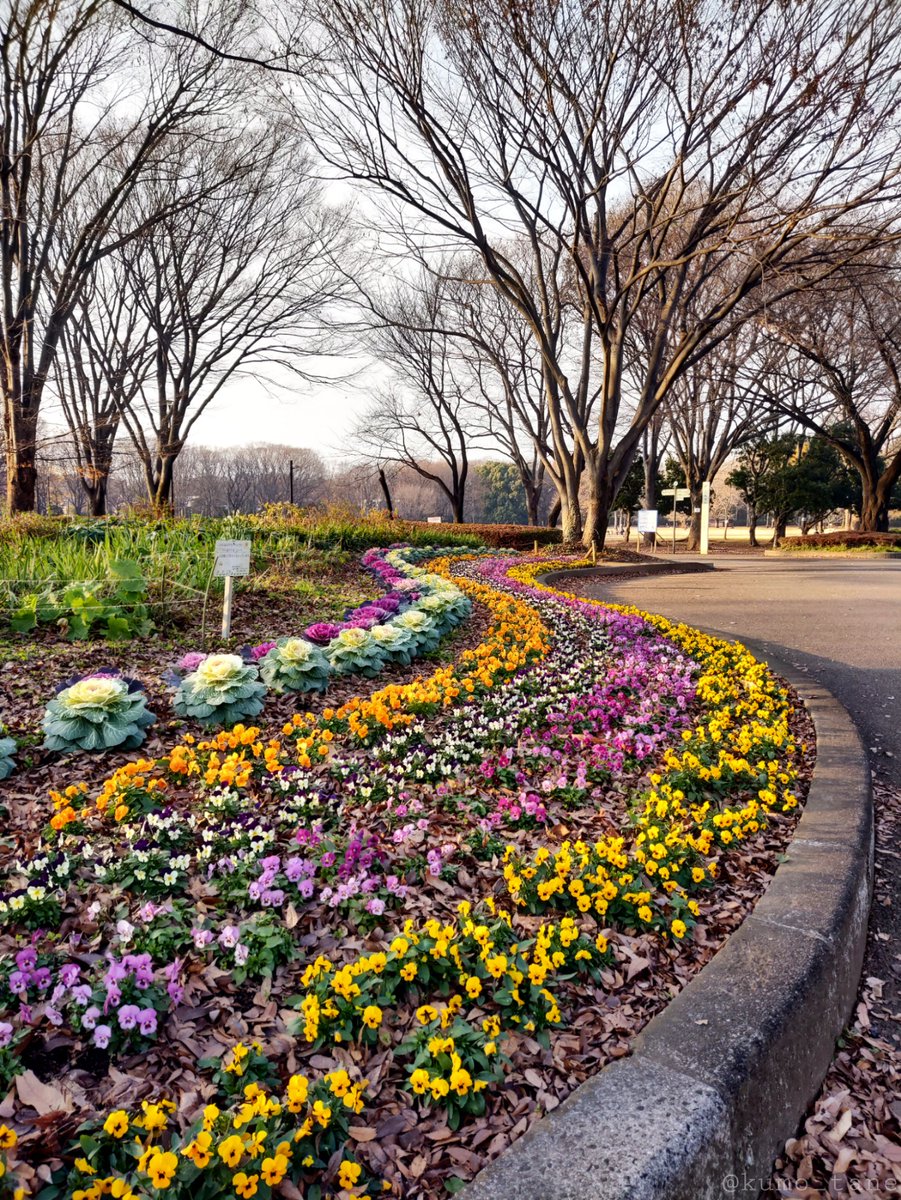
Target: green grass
[44, 557]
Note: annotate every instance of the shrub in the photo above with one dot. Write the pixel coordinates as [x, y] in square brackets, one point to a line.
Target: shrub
[223, 690]
[843, 539]
[513, 537]
[295, 665]
[99, 712]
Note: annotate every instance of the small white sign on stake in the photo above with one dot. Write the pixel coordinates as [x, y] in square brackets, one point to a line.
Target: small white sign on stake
[232, 559]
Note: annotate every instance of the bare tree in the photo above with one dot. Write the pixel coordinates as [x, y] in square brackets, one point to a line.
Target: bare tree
[506, 397]
[104, 353]
[630, 145]
[714, 407]
[421, 423]
[89, 101]
[215, 480]
[839, 377]
[214, 290]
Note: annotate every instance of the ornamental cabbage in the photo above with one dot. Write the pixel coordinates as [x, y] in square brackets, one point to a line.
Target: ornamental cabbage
[425, 630]
[99, 712]
[355, 651]
[445, 608]
[222, 691]
[7, 750]
[397, 645]
[295, 665]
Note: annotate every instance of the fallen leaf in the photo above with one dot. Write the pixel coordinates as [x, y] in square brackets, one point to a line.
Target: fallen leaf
[43, 1097]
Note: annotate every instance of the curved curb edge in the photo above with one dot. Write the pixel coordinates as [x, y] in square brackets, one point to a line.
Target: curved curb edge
[721, 1077]
[614, 572]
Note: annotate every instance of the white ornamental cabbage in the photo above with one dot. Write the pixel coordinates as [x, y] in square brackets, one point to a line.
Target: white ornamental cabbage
[100, 712]
[398, 645]
[355, 651]
[295, 665]
[223, 690]
[425, 629]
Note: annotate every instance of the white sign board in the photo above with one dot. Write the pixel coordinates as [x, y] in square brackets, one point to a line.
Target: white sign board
[647, 520]
[434, 520]
[677, 493]
[232, 558]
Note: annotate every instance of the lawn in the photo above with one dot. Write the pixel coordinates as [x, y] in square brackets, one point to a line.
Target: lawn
[355, 943]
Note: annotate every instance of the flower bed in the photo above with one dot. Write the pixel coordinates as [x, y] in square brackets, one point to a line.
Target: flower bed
[358, 954]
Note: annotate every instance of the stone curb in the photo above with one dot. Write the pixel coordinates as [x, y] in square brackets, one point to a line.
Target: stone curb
[720, 1079]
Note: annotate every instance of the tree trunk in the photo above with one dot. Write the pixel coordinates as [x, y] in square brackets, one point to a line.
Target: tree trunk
[386, 492]
[96, 494]
[694, 523]
[160, 484]
[600, 498]
[874, 514]
[780, 520]
[571, 521]
[568, 511]
[21, 466]
[457, 507]
[752, 526]
[533, 500]
[651, 451]
[874, 508]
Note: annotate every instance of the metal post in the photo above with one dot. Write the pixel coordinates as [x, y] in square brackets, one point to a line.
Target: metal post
[291, 480]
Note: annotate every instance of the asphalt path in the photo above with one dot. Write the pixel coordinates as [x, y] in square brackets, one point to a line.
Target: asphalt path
[839, 621]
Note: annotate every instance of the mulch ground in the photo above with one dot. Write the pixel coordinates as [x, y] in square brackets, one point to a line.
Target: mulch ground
[850, 1141]
[420, 1152]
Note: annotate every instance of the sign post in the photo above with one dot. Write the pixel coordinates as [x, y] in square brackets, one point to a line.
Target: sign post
[705, 517]
[677, 495]
[232, 560]
[647, 523]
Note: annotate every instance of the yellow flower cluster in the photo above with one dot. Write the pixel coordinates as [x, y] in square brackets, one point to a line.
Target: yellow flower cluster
[137, 785]
[475, 961]
[255, 1143]
[740, 743]
[229, 759]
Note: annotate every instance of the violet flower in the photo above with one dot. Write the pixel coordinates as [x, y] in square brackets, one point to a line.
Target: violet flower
[102, 1035]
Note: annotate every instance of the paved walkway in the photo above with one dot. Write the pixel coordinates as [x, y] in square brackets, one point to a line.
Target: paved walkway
[840, 622]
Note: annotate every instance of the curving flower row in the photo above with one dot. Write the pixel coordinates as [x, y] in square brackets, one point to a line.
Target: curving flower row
[427, 884]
